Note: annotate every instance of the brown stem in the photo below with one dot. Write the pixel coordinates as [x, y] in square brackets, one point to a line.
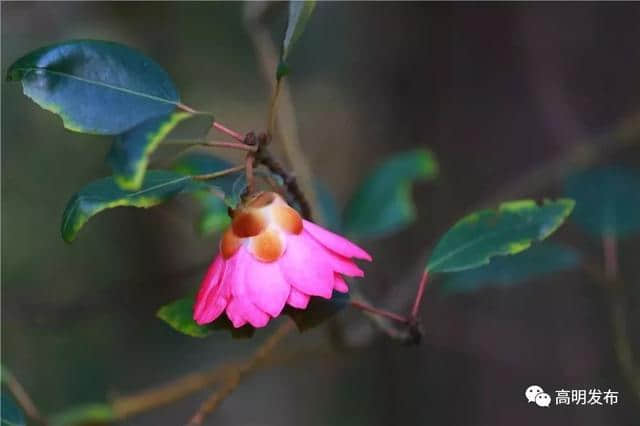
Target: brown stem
[378, 311]
[237, 136]
[22, 397]
[236, 375]
[224, 172]
[290, 182]
[130, 405]
[274, 185]
[249, 162]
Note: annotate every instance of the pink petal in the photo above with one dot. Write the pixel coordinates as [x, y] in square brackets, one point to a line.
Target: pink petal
[298, 299]
[340, 285]
[234, 313]
[335, 242]
[266, 287]
[241, 311]
[217, 299]
[305, 266]
[216, 302]
[208, 286]
[343, 265]
[242, 304]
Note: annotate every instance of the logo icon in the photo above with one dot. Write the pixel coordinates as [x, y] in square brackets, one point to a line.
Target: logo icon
[543, 399]
[577, 397]
[533, 391]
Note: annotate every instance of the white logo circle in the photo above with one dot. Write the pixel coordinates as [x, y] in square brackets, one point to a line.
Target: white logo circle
[532, 391]
[543, 399]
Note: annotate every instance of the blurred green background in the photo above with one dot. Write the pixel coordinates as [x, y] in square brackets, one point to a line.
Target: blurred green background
[493, 90]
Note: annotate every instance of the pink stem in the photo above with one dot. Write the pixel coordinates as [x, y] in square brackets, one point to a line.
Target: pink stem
[419, 294]
[378, 311]
[237, 136]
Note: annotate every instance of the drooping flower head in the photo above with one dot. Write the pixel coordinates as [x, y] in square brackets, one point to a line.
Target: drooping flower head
[270, 257]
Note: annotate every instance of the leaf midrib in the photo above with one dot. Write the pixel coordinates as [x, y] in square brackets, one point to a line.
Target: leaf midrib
[463, 247]
[99, 83]
[475, 241]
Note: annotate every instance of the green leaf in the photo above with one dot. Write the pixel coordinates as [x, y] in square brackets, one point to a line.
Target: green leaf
[510, 229]
[383, 203]
[179, 315]
[11, 414]
[198, 163]
[299, 14]
[86, 414]
[129, 155]
[607, 200]
[158, 186]
[214, 214]
[318, 311]
[97, 87]
[538, 261]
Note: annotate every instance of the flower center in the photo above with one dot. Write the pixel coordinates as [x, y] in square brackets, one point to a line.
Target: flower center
[262, 224]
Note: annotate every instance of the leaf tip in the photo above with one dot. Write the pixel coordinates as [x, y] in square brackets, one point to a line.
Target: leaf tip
[282, 70]
[428, 163]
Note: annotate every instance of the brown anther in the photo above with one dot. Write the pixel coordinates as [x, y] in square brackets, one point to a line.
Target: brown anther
[267, 246]
[248, 223]
[287, 218]
[229, 244]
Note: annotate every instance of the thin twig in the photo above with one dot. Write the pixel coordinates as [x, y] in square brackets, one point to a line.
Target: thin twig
[220, 173]
[248, 169]
[580, 155]
[236, 375]
[22, 397]
[378, 311]
[131, 405]
[186, 108]
[212, 144]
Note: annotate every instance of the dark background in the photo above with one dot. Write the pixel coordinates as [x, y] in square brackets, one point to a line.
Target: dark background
[494, 90]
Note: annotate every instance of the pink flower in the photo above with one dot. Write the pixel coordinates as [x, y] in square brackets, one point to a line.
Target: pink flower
[271, 257]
